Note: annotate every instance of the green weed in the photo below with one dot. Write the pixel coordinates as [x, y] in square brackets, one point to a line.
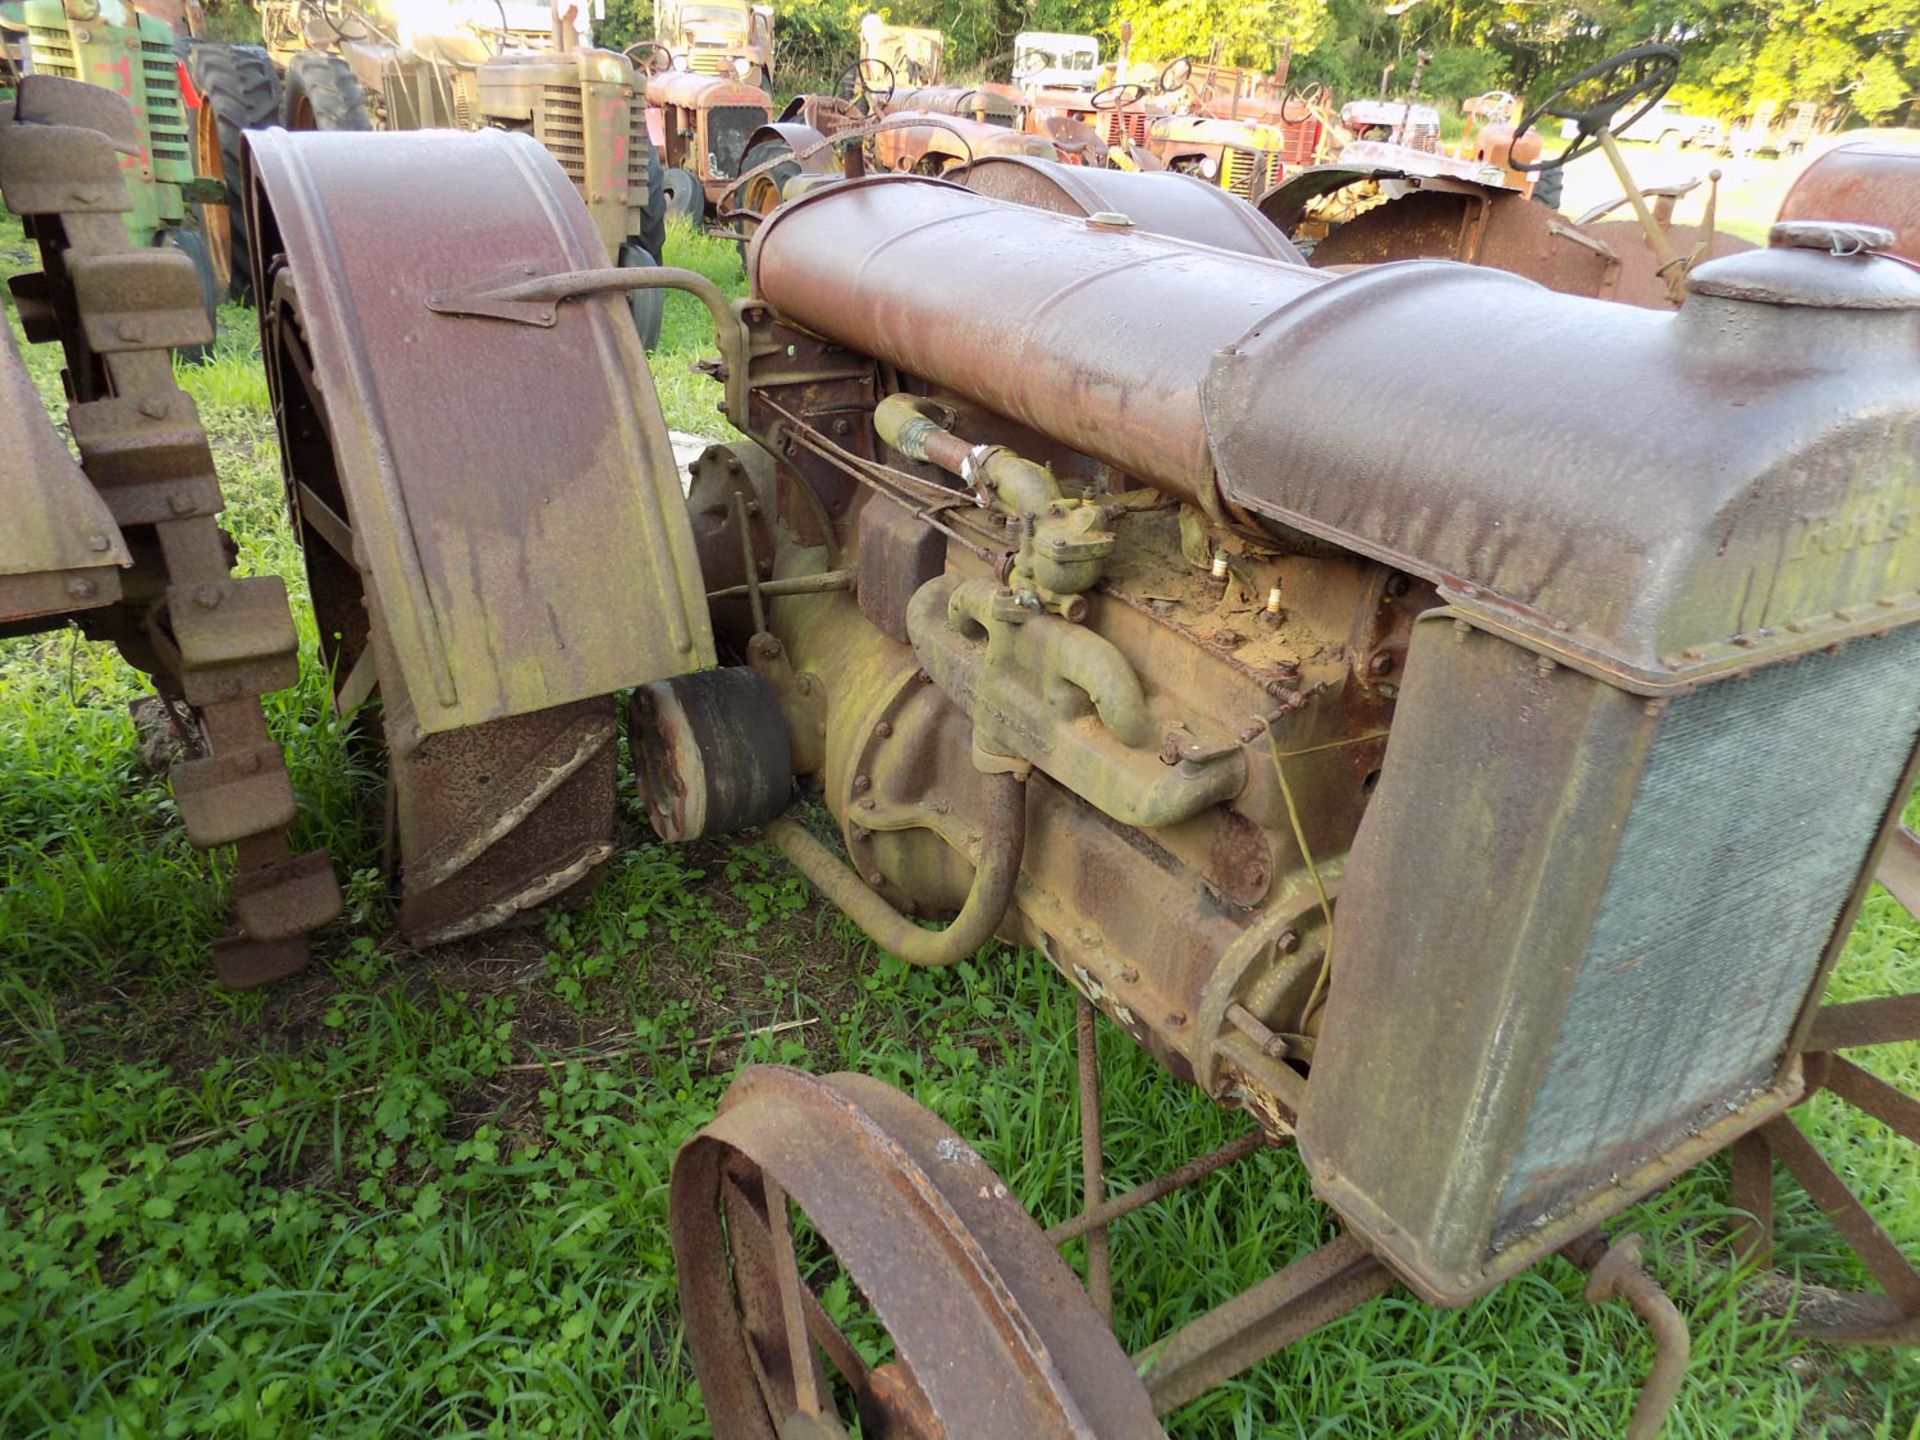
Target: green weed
[426, 1195]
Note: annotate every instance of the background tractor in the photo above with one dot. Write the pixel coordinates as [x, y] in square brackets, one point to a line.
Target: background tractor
[441, 64]
[134, 52]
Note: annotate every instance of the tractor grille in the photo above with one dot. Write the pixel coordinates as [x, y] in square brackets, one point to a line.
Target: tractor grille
[637, 147]
[1249, 173]
[729, 127]
[1298, 142]
[1752, 821]
[709, 60]
[166, 115]
[52, 52]
[562, 131]
[1117, 127]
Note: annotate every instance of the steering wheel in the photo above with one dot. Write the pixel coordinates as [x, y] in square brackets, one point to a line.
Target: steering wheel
[659, 58]
[1296, 106]
[1176, 74]
[1591, 99]
[1495, 106]
[1123, 96]
[854, 84]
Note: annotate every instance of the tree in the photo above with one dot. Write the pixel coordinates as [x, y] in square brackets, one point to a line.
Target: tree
[1248, 32]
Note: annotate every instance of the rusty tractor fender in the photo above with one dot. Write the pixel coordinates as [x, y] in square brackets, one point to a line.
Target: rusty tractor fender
[500, 485]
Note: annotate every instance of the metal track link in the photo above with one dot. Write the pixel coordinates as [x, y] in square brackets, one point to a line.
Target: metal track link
[209, 639]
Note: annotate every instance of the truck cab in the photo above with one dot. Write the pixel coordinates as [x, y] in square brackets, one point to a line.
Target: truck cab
[731, 38]
[1043, 60]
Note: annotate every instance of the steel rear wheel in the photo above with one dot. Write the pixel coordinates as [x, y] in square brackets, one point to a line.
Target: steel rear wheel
[1891, 1314]
[849, 1265]
[485, 822]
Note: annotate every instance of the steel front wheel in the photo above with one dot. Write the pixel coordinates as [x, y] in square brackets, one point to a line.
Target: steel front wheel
[845, 1259]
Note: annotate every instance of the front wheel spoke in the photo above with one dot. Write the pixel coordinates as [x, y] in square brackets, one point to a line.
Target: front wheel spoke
[744, 1220]
[1858, 1228]
[1865, 1091]
[786, 1267]
[1889, 1020]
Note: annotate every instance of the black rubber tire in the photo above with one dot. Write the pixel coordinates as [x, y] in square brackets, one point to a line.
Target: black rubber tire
[683, 194]
[241, 90]
[1549, 188]
[646, 305]
[322, 94]
[189, 242]
[756, 156]
[653, 220]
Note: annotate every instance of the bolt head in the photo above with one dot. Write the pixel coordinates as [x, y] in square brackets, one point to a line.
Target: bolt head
[82, 589]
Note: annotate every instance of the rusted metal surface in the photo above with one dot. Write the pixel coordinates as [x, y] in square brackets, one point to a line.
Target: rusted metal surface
[1093, 1170]
[1617, 1276]
[992, 1336]
[1445, 210]
[1163, 202]
[1312, 1292]
[492, 549]
[465, 568]
[1890, 1316]
[1501, 536]
[997, 866]
[209, 640]
[1869, 180]
[938, 142]
[1091, 335]
[61, 551]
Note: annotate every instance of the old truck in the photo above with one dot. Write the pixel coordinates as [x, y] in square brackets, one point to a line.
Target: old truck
[729, 38]
[1096, 610]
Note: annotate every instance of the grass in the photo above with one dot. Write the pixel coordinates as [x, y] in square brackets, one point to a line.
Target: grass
[412, 1194]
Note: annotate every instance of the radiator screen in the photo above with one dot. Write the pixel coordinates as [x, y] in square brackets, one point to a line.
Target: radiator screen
[1759, 801]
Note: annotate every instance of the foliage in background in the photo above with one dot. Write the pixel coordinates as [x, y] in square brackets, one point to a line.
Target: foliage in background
[1859, 60]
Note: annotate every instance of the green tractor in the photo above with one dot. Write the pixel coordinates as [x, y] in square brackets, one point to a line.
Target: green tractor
[136, 54]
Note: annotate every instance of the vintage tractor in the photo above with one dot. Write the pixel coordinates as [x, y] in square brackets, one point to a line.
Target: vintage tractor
[702, 126]
[125, 543]
[133, 52]
[1380, 201]
[729, 38]
[1868, 179]
[1474, 790]
[441, 64]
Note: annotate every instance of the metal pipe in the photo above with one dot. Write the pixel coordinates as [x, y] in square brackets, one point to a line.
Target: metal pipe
[1198, 1168]
[1002, 842]
[1093, 1171]
[825, 583]
[1023, 487]
[1617, 1275]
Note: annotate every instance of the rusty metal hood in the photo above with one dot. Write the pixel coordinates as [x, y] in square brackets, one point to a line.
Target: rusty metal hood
[1751, 478]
